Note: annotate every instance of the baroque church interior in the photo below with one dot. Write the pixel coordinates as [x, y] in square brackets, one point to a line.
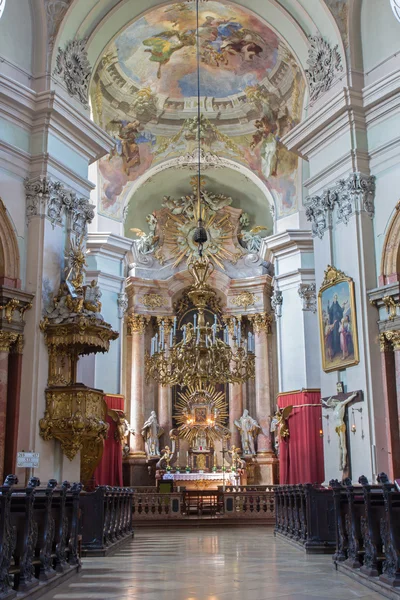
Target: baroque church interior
[199, 299]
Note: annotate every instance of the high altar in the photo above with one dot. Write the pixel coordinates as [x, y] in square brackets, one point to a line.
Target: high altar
[200, 429]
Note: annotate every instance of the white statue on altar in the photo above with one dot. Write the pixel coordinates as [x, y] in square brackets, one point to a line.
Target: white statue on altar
[151, 432]
[248, 428]
[339, 411]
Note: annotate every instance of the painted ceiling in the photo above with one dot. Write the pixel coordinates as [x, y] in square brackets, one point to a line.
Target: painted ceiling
[144, 93]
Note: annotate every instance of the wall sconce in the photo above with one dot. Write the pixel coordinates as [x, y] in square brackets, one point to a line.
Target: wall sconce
[353, 422]
[321, 433]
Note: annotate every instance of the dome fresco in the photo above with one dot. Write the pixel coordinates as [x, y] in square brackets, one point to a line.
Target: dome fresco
[159, 50]
[144, 93]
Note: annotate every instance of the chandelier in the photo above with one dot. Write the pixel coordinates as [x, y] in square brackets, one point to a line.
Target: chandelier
[201, 357]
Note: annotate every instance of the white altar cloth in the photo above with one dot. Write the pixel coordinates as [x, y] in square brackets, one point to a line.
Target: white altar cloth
[229, 477]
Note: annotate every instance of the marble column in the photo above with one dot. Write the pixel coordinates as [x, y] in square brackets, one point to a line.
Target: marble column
[136, 329]
[235, 395]
[165, 393]
[6, 339]
[266, 459]
[165, 413]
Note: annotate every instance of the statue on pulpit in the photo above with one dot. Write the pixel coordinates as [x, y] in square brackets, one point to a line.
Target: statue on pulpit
[248, 428]
[151, 432]
[339, 411]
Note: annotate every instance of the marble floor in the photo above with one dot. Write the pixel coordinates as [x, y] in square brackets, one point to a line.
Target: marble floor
[245, 563]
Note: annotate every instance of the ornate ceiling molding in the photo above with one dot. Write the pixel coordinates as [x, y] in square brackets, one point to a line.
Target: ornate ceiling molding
[324, 63]
[55, 12]
[51, 199]
[349, 196]
[75, 70]
[2, 6]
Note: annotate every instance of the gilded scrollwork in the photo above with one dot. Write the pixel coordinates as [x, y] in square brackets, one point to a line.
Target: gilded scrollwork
[152, 300]
[245, 299]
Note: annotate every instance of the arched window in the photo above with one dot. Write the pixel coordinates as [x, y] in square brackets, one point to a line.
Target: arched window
[396, 8]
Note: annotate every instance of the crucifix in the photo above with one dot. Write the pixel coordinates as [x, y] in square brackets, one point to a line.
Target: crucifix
[339, 404]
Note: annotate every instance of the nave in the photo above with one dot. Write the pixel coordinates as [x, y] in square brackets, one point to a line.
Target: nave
[244, 563]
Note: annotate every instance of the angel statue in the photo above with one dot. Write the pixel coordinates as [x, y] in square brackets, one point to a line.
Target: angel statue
[151, 432]
[279, 421]
[165, 460]
[248, 428]
[251, 240]
[147, 242]
[237, 462]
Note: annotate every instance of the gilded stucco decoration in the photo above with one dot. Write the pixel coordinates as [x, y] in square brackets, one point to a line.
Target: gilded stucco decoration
[245, 299]
[170, 236]
[261, 322]
[136, 324]
[75, 70]
[252, 93]
[153, 301]
[324, 64]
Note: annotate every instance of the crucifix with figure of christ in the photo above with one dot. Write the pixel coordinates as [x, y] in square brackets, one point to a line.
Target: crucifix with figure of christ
[339, 404]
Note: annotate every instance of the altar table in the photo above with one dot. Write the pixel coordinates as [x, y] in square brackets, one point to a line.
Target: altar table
[202, 481]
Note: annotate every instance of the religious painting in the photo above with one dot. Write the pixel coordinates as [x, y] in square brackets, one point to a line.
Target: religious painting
[252, 92]
[337, 321]
[200, 414]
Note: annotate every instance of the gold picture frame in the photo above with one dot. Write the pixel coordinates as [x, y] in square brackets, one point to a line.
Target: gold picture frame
[337, 321]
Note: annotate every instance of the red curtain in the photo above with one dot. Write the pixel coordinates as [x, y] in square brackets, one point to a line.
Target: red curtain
[109, 470]
[301, 456]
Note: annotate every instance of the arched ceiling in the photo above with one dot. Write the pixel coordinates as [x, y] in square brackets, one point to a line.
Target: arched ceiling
[144, 88]
[245, 194]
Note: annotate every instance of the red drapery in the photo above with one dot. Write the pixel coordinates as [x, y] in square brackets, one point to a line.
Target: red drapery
[109, 470]
[301, 457]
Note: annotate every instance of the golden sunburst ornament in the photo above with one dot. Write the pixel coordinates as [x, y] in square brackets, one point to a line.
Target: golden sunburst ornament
[202, 410]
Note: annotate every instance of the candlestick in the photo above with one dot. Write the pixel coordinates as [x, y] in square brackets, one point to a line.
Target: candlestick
[175, 320]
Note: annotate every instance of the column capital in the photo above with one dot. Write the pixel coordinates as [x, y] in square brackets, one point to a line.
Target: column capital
[389, 340]
[168, 322]
[229, 321]
[136, 324]
[7, 339]
[261, 322]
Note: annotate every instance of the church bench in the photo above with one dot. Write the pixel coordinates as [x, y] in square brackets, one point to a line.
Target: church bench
[304, 515]
[106, 519]
[367, 531]
[30, 530]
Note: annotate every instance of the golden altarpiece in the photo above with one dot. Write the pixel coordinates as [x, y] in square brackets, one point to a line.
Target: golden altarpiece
[199, 423]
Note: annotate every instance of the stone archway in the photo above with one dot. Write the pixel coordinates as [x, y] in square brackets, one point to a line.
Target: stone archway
[390, 262]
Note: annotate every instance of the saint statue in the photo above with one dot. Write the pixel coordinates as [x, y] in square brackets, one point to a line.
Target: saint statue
[248, 428]
[339, 409]
[151, 432]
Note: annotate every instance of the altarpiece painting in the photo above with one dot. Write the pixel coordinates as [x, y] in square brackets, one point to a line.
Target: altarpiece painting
[337, 321]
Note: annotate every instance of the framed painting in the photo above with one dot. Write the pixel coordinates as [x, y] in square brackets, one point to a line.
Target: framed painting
[337, 321]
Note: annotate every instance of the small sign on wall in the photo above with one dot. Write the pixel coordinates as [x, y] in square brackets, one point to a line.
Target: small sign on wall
[28, 460]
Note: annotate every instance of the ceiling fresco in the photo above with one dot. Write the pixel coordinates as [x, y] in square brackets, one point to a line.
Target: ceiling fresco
[144, 93]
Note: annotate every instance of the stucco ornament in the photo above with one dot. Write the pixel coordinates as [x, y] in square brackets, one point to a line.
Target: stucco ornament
[276, 302]
[2, 6]
[74, 68]
[308, 295]
[324, 64]
[395, 4]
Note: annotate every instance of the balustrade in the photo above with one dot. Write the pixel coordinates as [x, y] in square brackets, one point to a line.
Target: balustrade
[39, 537]
[245, 503]
[106, 519]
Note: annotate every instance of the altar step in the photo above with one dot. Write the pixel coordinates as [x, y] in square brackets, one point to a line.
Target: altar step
[206, 521]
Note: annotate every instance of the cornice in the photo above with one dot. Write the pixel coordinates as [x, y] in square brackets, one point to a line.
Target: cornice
[106, 281]
[49, 111]
[333, 116]
[289, 242]
[109, 244]
[292, 279]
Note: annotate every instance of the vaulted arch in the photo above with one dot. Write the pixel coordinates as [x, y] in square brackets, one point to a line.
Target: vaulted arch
[390, 262]
[9, 253]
